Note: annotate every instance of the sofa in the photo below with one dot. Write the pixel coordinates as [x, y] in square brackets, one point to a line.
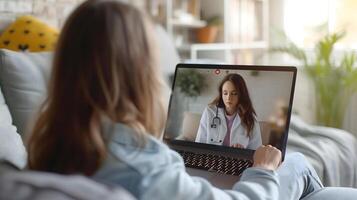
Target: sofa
[21, 185]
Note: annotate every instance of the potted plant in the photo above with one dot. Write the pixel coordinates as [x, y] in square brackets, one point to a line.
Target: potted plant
[190, 82]
[209, 33]
[335, 81]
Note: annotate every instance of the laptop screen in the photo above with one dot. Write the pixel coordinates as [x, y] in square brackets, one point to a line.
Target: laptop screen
[231, 106]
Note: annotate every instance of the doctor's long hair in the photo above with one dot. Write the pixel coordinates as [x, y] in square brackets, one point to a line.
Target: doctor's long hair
[245, 107]
[104, 70]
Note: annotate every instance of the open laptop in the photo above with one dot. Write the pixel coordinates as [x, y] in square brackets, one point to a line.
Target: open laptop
[195, 86]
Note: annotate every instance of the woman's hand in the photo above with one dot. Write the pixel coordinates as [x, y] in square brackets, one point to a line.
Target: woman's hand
[237, 146]
[267, 157]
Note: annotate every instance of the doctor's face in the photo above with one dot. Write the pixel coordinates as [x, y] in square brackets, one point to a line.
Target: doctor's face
[230, 97]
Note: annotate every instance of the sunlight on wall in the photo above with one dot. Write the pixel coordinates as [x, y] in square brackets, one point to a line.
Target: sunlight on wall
[347, 21]
[302, 17]
[305, 21]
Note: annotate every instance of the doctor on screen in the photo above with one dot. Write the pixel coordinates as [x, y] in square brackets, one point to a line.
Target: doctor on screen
[230, 119]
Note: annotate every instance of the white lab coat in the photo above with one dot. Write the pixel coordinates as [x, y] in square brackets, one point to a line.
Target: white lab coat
[209, 135]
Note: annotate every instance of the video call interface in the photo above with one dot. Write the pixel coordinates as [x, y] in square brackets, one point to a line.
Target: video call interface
[210, 106]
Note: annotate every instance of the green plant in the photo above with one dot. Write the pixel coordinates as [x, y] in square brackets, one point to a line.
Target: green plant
[335, 81]
[215, 21]
[190, 82]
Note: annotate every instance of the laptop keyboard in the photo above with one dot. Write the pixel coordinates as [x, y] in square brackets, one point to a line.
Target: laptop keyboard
[215, 163]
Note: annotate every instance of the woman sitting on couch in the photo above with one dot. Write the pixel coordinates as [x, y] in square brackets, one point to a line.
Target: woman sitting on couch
[104, 114]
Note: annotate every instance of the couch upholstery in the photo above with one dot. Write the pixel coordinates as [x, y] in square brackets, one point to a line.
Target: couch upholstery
[23, 80]
[11, 147]
[5, 116]
[21, 185]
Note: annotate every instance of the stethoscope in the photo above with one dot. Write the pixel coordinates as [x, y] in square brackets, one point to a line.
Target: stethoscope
[216, 120]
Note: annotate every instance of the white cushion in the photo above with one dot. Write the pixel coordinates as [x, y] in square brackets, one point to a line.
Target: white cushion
[5, 117]
[23, 80]
[11, 147]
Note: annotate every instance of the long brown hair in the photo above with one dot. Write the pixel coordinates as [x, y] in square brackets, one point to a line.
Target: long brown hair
[104, 67]
[245, 107]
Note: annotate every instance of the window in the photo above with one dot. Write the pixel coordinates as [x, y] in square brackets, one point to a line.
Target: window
[305, 21]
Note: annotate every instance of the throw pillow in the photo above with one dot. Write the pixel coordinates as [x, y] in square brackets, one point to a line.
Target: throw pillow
[28, 33]
[12, 148]
[23, 80]
[5, 117]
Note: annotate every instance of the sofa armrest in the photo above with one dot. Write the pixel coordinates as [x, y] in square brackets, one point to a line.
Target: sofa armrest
[41, 185]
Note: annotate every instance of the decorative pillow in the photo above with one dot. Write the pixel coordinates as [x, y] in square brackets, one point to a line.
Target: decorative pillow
[12, 148]
[5, 117]
[28, 33]
[23, 80]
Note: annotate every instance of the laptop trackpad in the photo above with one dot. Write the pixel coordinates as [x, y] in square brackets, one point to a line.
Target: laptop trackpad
[222, 181]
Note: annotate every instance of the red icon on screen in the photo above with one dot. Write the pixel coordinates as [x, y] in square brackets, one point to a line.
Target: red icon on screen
[217, 71]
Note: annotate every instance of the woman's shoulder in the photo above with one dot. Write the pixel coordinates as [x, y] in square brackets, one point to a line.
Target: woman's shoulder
[147, 150]
[210, 108]
[124, 136]
[129, 162]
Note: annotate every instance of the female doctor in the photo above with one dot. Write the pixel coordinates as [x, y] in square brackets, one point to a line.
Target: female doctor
[230, 119]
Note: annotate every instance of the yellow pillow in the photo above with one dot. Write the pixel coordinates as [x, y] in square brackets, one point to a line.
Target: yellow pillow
[28, 33]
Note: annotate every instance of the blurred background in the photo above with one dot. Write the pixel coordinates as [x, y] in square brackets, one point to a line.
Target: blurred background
[319, 37]
[268, 32]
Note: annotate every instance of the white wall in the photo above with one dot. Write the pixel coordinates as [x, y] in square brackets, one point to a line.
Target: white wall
[53, 12]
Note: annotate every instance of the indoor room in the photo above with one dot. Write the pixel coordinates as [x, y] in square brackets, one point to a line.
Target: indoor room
[120, 99]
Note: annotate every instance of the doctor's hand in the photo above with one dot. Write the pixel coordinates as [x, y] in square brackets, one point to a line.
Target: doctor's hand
[267, 157]
[237, 146]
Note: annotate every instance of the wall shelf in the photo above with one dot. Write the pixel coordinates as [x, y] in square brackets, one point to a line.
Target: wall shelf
[195, 48]
[189, 24]
[245, 26]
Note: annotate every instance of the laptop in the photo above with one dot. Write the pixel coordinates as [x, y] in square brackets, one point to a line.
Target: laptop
[197, 122]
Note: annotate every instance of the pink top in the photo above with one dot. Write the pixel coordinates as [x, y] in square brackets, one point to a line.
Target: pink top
[229, 120]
